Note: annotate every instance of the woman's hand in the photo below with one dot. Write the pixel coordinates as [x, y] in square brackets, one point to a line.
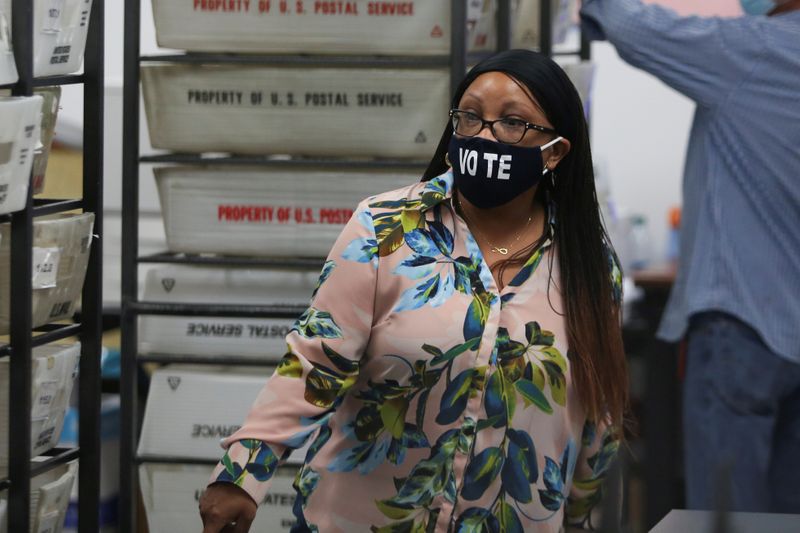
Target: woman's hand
[224, 507]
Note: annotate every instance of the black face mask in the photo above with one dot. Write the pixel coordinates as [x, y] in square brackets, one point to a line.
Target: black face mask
[490, 174]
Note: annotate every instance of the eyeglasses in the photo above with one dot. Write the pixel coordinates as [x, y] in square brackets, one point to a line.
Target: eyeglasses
[506, 130]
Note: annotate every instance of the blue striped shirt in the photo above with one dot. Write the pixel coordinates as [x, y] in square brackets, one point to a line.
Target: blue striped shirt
[740, 238]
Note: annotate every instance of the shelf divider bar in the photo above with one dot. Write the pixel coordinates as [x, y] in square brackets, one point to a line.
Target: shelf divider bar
[129, 408]
[215, 310]
[458, 43]
[21, 265]
[503, 25]
[92, 297]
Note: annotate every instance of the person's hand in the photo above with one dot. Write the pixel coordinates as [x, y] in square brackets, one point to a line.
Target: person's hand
[224, 507]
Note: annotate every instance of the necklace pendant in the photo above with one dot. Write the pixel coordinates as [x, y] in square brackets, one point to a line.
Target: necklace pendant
[501, 251]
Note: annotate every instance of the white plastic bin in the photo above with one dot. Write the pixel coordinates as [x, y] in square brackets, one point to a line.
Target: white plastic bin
[264, 212]
[19, 137]
[354, 112]
[262, 338]
[61, 246]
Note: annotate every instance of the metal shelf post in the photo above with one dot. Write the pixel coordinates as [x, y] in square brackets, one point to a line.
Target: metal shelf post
[22, 339]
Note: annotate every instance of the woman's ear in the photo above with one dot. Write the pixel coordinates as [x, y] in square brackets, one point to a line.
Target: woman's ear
[553, 155]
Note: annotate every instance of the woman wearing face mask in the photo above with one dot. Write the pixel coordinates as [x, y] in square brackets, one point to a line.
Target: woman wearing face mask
[461, 365]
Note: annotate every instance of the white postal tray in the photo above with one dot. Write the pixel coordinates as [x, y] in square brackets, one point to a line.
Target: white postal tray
[190, 409]
[53, 372]
[59, 37]
[262, 212]
[320, 111]
[20, 125]
[62, 244]
[171, 493]
[408, 27]
[210, 336]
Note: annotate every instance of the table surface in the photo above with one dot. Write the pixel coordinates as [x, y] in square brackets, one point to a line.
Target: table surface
[681, 521]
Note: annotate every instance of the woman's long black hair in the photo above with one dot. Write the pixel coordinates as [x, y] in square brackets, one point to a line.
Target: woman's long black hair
[583, 247]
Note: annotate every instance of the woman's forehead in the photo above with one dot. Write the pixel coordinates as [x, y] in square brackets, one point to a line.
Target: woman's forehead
[499, 88]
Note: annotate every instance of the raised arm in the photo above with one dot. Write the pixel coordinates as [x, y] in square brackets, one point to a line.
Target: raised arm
[703, 58]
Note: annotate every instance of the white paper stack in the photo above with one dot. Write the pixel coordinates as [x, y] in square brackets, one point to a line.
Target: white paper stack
[8, 67]
[54, 368]
[262, 212]
[53, 493]
[60, 257]
[52, 96]
[357, 112]
[19, 136]
[171, 494]
[310, 26]
[258, 338]
[49, 498]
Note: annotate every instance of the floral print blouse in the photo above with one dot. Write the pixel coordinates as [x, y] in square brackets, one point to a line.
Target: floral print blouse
[435, 401]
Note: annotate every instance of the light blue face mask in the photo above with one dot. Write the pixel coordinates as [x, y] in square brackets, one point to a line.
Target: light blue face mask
[758, 7]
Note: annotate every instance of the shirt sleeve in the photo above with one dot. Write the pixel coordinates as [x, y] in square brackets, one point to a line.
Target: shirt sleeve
[598, 450]
[322, 362]
[702, 57]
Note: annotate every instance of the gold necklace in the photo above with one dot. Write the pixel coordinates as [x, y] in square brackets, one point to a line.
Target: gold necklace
[499, 249]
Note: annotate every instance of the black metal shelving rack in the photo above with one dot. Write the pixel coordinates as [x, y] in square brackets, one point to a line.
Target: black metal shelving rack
[132, 308]
[23, 338]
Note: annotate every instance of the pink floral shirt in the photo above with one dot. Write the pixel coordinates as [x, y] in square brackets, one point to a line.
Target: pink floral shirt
[435, 401]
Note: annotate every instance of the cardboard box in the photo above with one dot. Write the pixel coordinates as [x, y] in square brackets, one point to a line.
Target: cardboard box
[190, 410]
[312, 111]
[61, 246]
[19, 135]
[171, 493]
[49, 498]
[53, 370]
[420, 27]
[257, 211]
[262, 338]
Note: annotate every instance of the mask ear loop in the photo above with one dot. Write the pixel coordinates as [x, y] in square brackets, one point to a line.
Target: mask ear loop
[544, 147]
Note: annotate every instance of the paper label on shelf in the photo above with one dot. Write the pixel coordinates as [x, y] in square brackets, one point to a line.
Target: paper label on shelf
[46, 437]
[45, 267]
[46, 394]
[52, 21]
